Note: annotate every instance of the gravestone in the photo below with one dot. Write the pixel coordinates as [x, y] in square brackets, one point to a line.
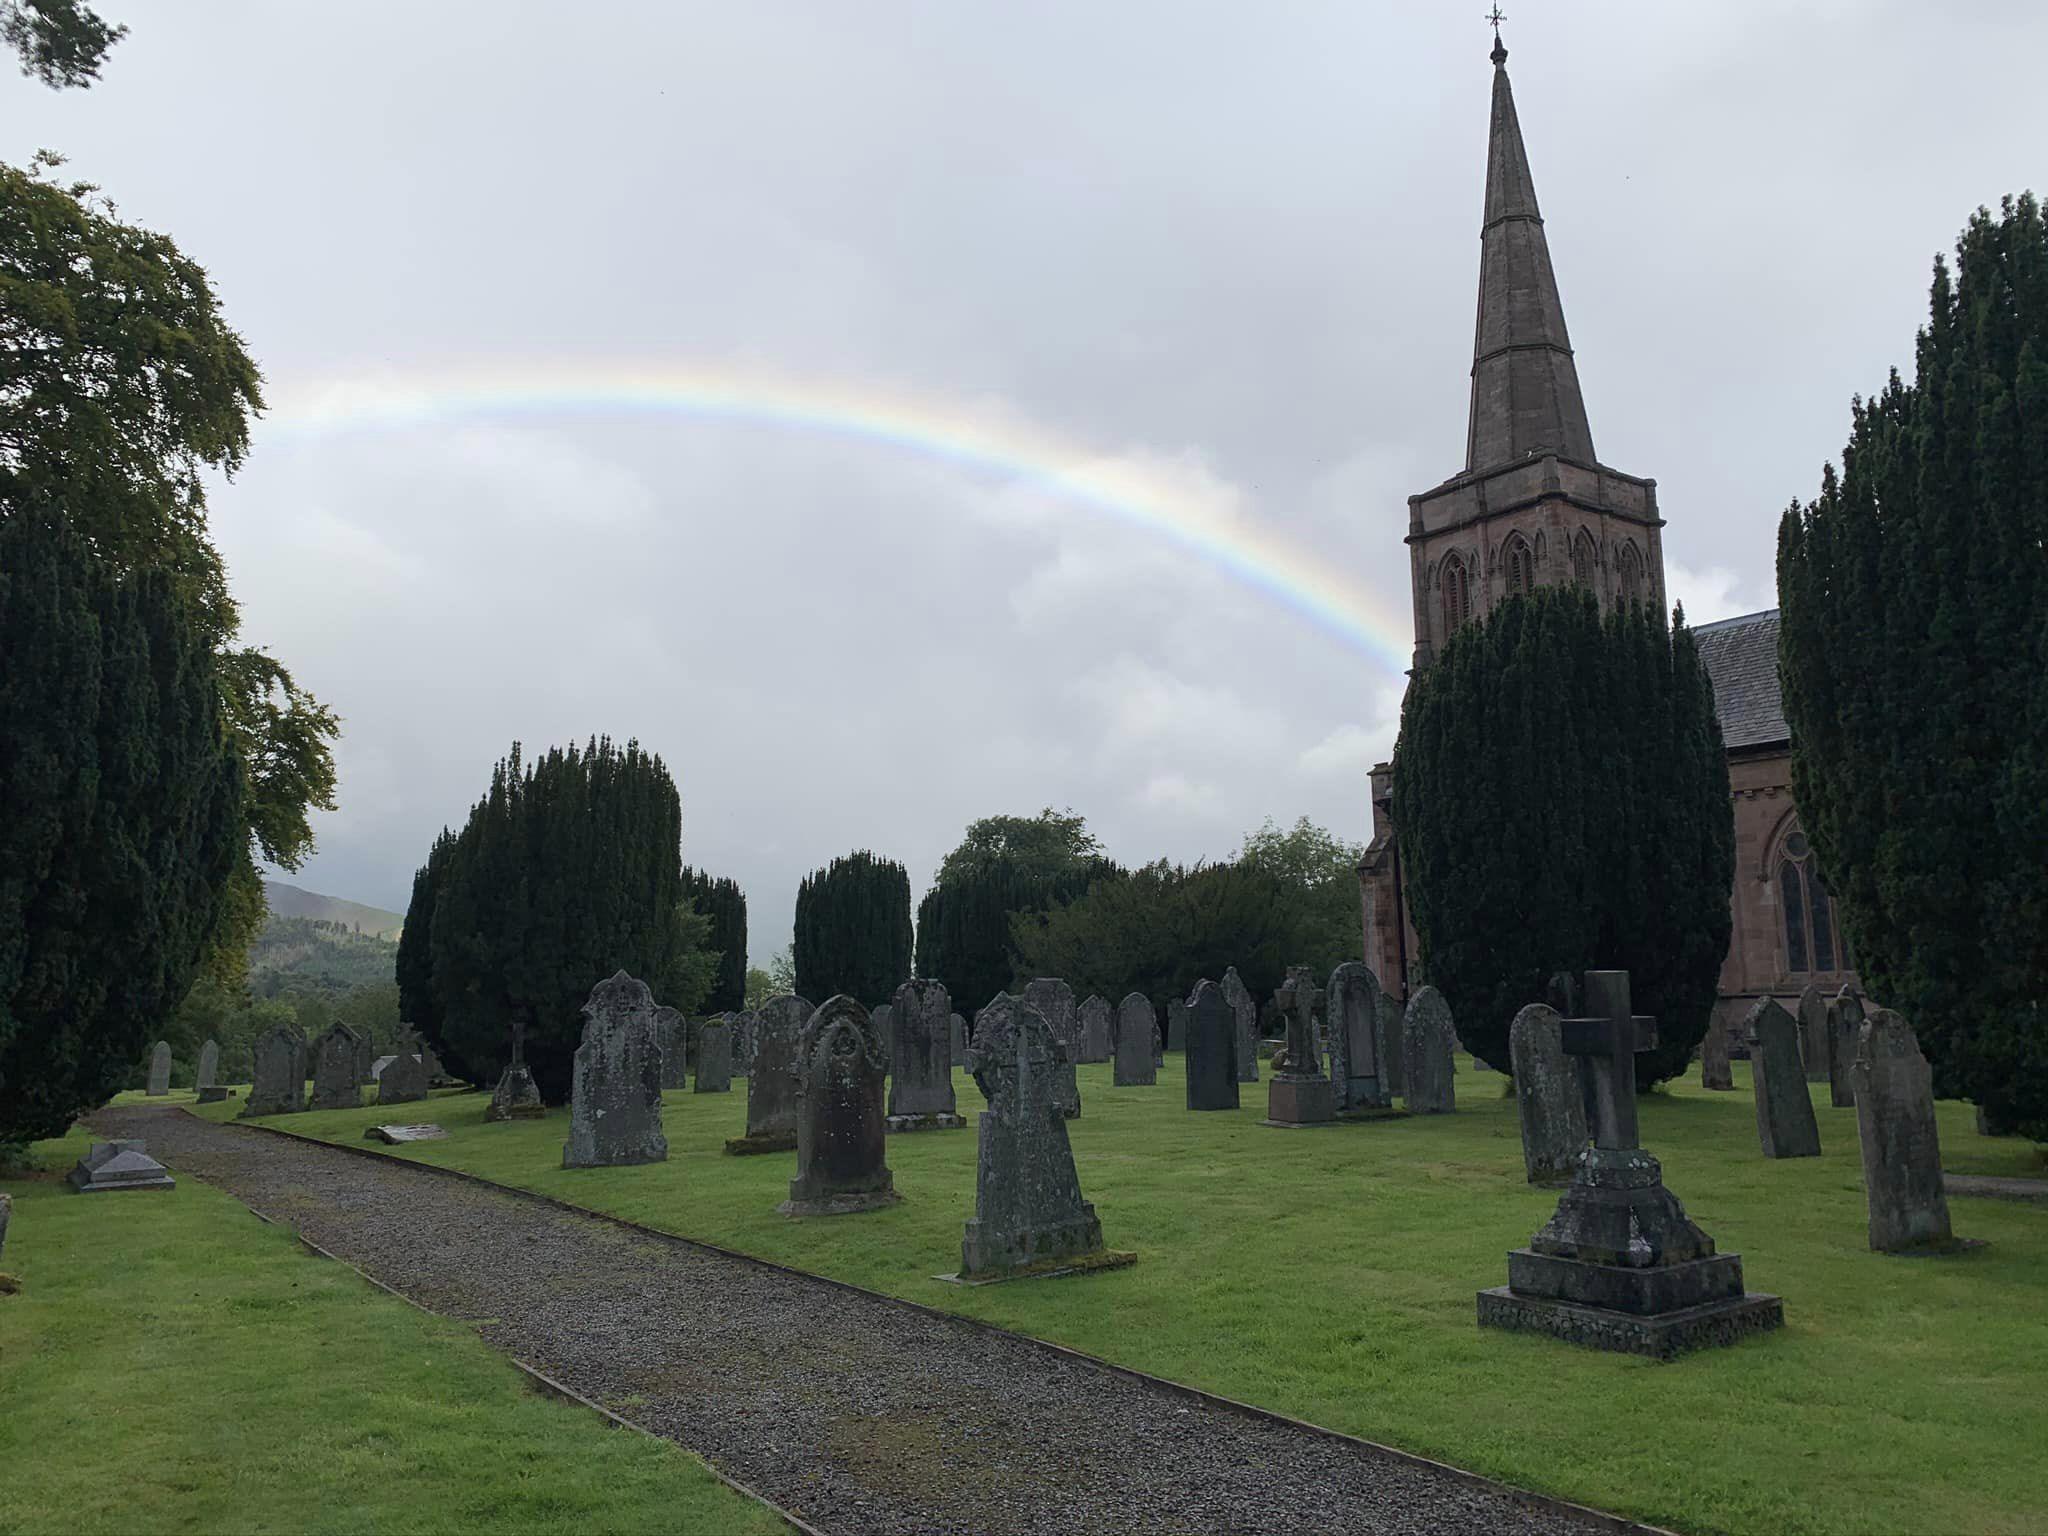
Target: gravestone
[1245, 1013]
[1813, 1034]
[1354, 1040]
[771, 1086]
[1211, 1049]
[1784, 1109]
[885, 1029]
[364, 1056]
[615, 1083]
[1715, 1072]
[1620, 1266]
[1427, 1038]
[517, 1096]
[1096, 1031]
[337, 1053]
[279, 1085]
[1176, 1024]
[1054, 999]
[1393, 1049]
[1137, 1029]
[1845, 1036]
[211, 1090]
[1028, 1212]
[921, 1059]
[959, 1041]
[6, 1215]
[1298, 1093]
[1902, 1186]
[404, 1135]
[1548, 1095]
[1158, 1046]
[714, 1056]
[437, 1075]
[744, 1023]
[840, 1138]
[118, 1165]
[672, 1035]
[404, 1078]
[159, 1069]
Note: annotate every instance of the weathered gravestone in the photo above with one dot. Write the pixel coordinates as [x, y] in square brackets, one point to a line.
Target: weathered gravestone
[1176, 1024]
[1427, 1039]
[211, 1090]
[1784, 1109]
[1029, 1216]
[1845, 1037]
[615, 1083]
[365, 1054]
[959, 1030]
[714, 1056]
[279, 1087]
[1211, 1049]
[1096, 1030]
[1137, 1028]
[1245, 1013]
[1548, 1094]
[1620, 1266]
[1393, 1049]
[159, 1069]
[771, 1086]
[404, 1078]
[840, 1138]
[117, 1165]
[1902, 1186]
[1354, 1040]
[337, 1053]
[1715, 1072]
[672, 1035]
[1054, 999]
[1298, 1093]
[517, 1096]
[744, 1024]
[885, 1029]
[1813, 1034]
[921, 1059]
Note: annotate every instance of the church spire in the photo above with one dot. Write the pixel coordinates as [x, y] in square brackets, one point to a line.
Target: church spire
[1525, 387]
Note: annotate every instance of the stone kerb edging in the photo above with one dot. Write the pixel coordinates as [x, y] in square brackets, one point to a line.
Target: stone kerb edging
[1585, 1514]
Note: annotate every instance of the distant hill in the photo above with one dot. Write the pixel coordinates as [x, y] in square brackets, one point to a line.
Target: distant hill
[290, 901]
[305, 956]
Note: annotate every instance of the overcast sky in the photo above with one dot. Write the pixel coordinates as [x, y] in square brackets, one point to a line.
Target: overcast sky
[1218, 259]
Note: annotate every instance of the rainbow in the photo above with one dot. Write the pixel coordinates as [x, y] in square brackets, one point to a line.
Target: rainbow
[1177, 502]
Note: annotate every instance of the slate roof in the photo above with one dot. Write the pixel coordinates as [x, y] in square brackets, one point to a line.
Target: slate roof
[1741, 656]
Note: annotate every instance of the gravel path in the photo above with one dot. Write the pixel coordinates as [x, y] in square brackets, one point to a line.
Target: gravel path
[858, 1414]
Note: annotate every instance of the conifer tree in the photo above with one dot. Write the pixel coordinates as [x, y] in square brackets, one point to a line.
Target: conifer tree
[853, 929]
[724, 904]
[1914, 656]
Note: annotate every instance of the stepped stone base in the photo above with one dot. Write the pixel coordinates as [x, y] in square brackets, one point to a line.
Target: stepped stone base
[1081, 1264]
[933, 1122]
[1292, 1100]
[841, 1205]
[769, 1141]
[1661, 1336]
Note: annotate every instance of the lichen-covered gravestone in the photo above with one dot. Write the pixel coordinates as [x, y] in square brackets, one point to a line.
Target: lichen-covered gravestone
[1096, 1030]
[207, 1080]
[714, 1056]
[1028, 1212]
[1354, 1044]
[337, 1068]
[921, 1059]
[1136, 1025]
[672, 1034]
[280, 1076]
[1902, 1184]
[1547, 1092]
[615, 1084]
[159, 1069]
[1785, 1124]
[840, 1137]
[771, 1085]
[404, 1078]
[1246, 1014]
[1393, 1048]
[1054, 999]
[1845, 1037]
[1715, 1071]
[1211, 1049]
[1813, 1034]
[1428, 1038]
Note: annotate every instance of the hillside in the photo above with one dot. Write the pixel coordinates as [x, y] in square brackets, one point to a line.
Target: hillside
[290, 901]
[305, 955]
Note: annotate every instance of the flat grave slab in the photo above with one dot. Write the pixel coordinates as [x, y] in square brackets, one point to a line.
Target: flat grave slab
[399, 1135]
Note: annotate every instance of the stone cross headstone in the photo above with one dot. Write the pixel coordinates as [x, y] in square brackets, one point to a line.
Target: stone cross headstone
[1136, 1027]
[1785, 1123]
[1176, 1024]
[1211, 1049]
[1902, 1184]
[337, 1054]
[714, 1057]
[672, 1034]
[1054, 999]
[771, 1085]
[1608, 1042]
[1246, 1014]
[1298, 1093]
[1715, 1071]
[1813, 1034]
[1845, 1036]
[159, 1069]
[921, 1059]
[1028, 1210]
[279, 1086]
[517, 1096]
[404, 1078]
[840, 1135]
[1428, 1040]
[1354, 1038]
[1096, 1030]
[207, 1081]
[1393, 1048]
[1547, 1092]
[615, 1084]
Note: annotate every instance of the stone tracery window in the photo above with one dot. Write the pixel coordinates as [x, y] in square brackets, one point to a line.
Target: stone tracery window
[1584, 559]
[1521, 566]
[1811, 942]
[1631, 572]
[1457, 590]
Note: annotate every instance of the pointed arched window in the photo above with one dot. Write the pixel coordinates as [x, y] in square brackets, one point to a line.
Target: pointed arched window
[1631, 573]
[1457, 589]
[1584, 559]
[1811, 943]
[1521, 566]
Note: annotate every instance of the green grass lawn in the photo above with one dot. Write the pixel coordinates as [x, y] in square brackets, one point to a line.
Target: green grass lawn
[173, 1364]
[1330, 1274]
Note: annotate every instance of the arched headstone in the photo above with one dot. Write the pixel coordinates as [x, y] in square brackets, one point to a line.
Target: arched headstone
[1211, 1049]
[771, 1085]
[921, 1059]
[1429, 1040]
[337, 1068]
[1845, 1037]
[672, 1035]
[1547, 1092]
[615, 1083]
[159, 1069]
[1354, 1039]
[714, 1055]
[1785, 1123]
[1136, 1028]
[1902, 1183]
[280, 1073]
[207, 1080]
[840, 1136]
[1097, 1030]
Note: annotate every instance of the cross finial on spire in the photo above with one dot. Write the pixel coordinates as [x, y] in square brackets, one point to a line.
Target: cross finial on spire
[1500, 49]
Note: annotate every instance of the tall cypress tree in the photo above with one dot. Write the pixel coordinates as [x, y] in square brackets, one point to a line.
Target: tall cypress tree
[852, 931]
[1561, 797]
[725, 905]
[1914, 655]
[414, 963]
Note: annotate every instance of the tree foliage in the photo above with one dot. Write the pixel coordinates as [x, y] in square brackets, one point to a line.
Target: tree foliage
[1319, 872]
[853, 929]
[59, 42]
[1042, 847]
[1914, 654]
[1561, 798]
[121, 812]
[724, 906]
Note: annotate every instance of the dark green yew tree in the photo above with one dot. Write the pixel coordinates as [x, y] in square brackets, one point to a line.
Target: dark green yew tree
[1561, 797]
[724, 905]
[853, 929]
[418, 1004]
[1914, 654]
[121, 818]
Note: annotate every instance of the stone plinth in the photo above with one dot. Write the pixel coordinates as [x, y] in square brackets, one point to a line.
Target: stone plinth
[117, 1165]
[1663, 1336]
[1294, 1099]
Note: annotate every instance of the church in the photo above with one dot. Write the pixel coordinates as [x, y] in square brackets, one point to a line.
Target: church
[1534, 506]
